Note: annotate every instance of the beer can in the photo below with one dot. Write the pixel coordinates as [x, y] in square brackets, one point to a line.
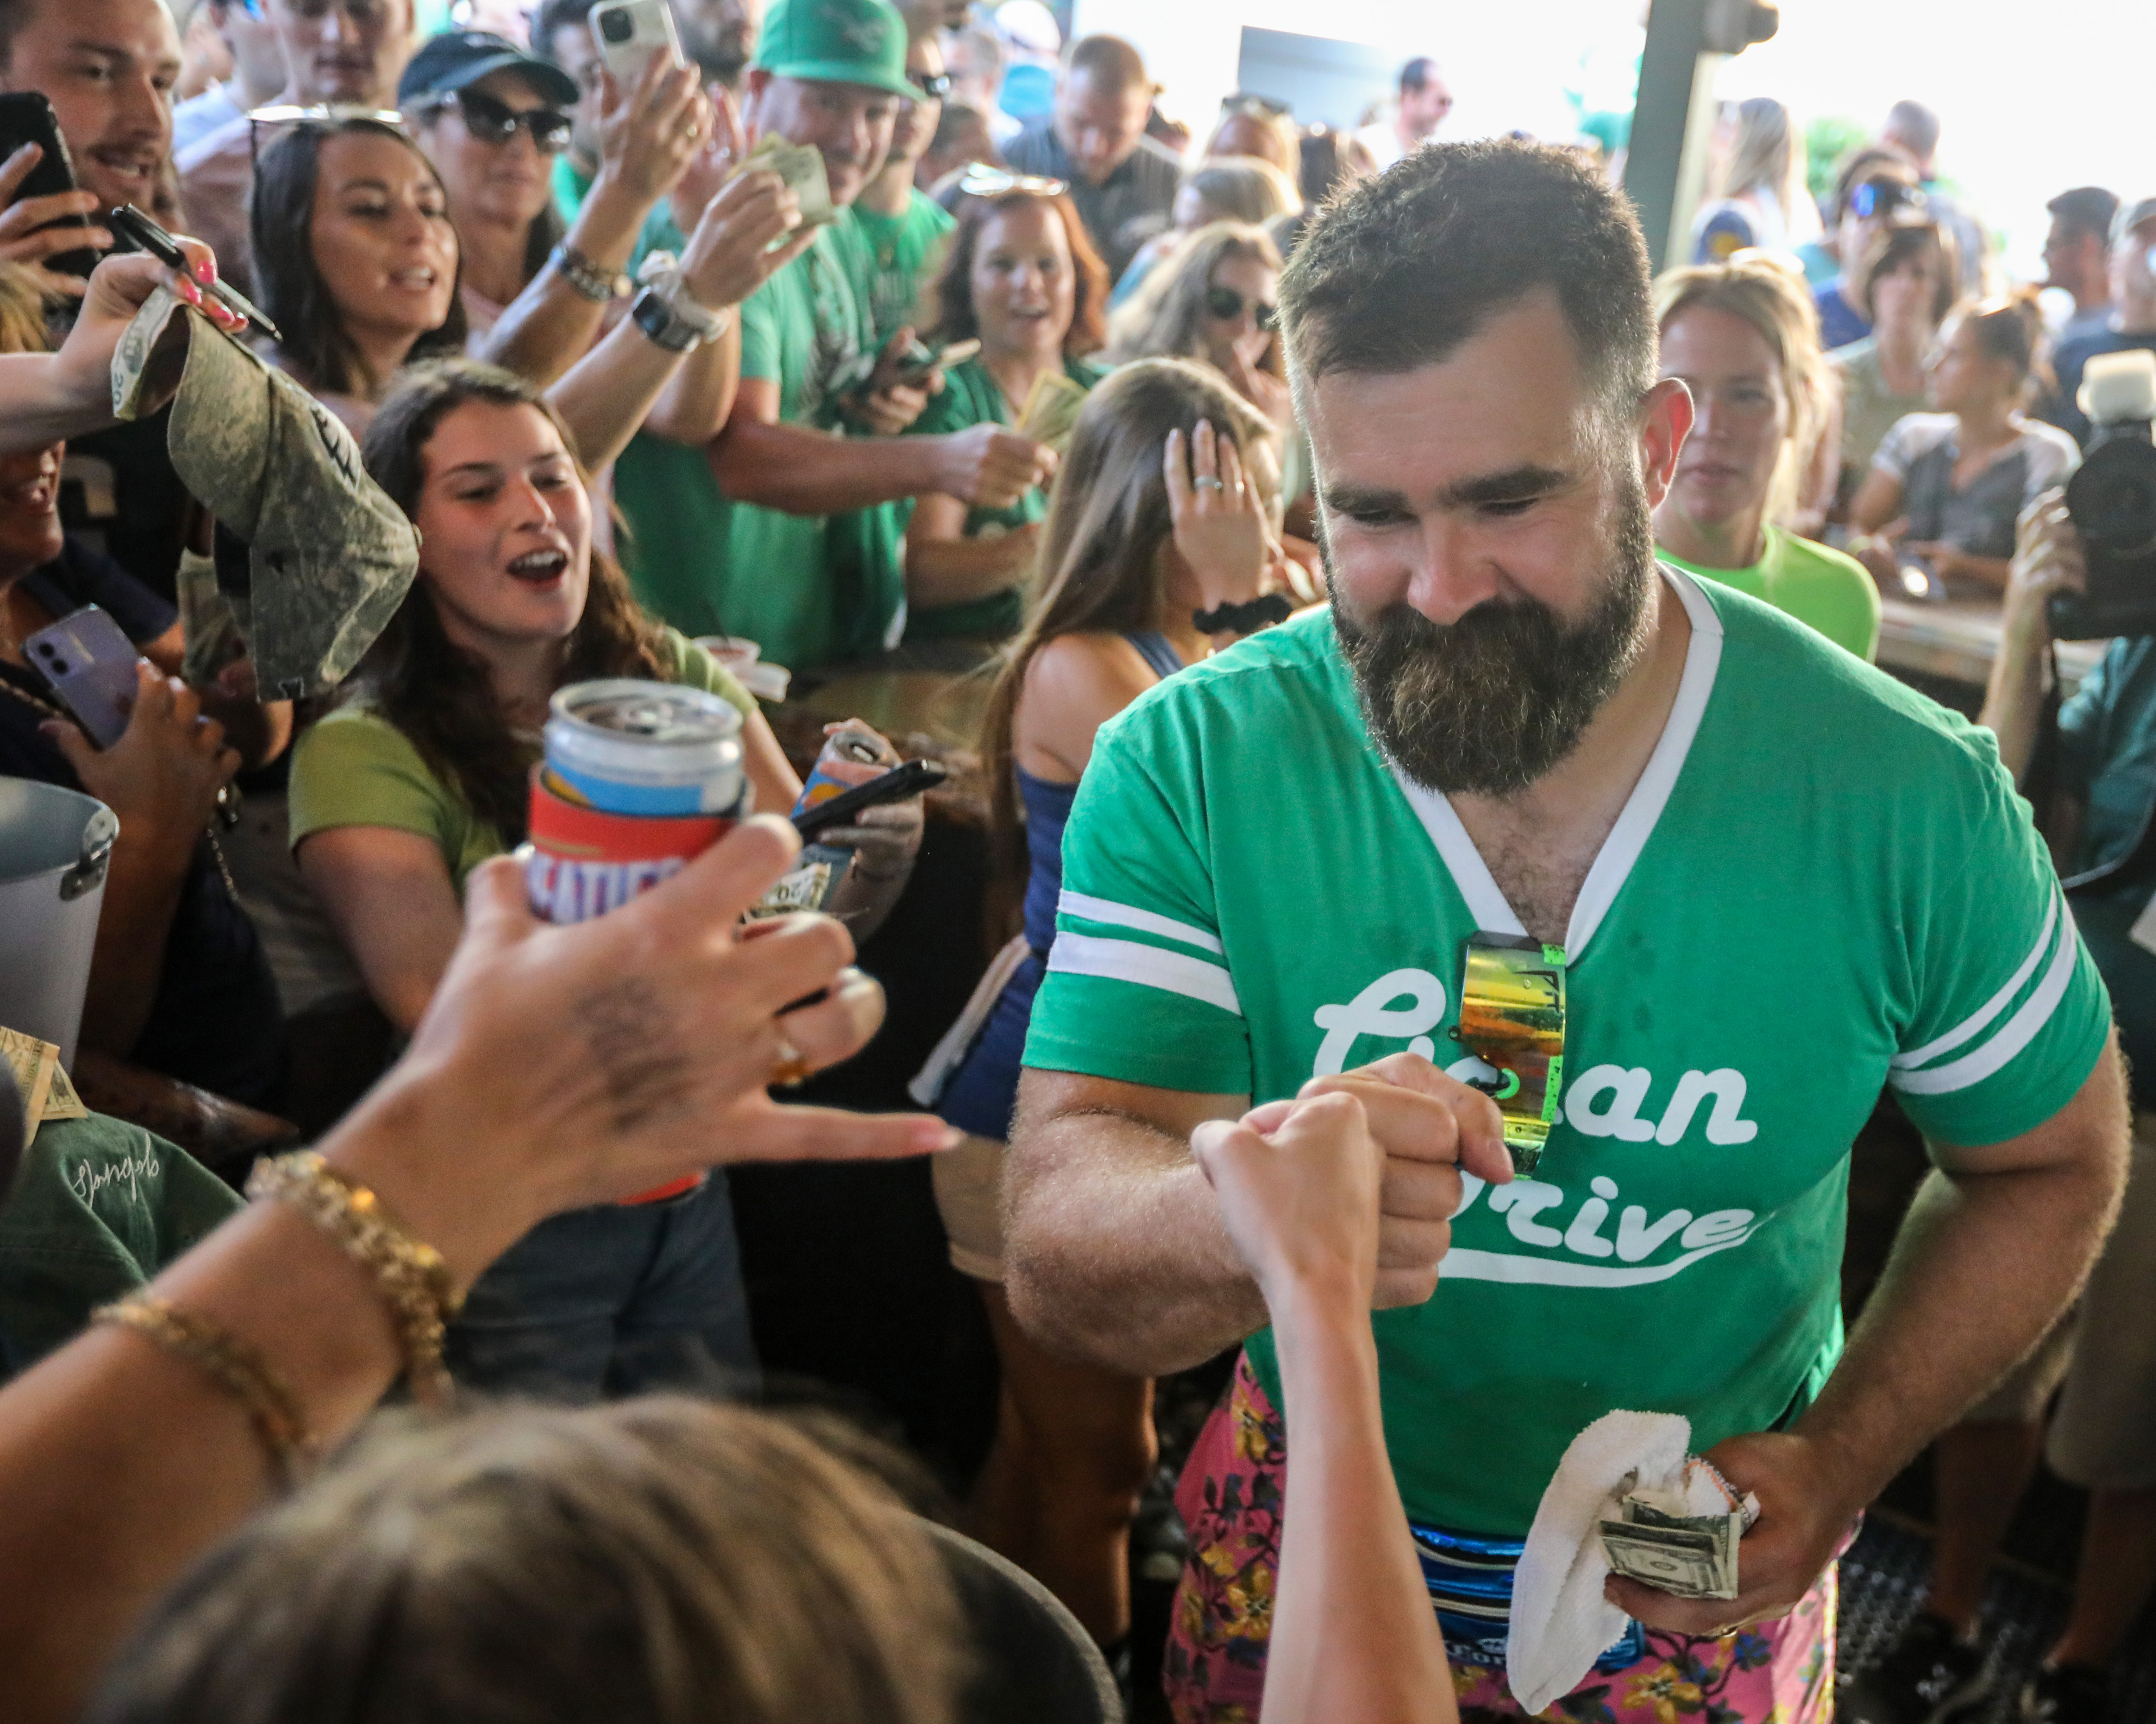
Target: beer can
[855, 746]
[630, 747]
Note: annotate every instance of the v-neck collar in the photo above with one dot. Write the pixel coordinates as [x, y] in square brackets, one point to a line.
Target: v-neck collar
[1636, 823]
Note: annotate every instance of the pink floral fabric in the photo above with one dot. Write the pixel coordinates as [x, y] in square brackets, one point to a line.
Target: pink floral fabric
[1230, 1498]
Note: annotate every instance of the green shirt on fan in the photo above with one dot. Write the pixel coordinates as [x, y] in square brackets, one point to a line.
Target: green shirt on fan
[1814, 583]
[1823, 884]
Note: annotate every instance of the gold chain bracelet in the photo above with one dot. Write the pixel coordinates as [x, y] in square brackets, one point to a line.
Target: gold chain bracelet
[412, 1275]
[237, 1368]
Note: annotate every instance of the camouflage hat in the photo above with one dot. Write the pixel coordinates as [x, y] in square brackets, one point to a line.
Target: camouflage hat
[330, 556]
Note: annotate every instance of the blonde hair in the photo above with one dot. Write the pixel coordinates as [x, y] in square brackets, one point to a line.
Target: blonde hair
[1770, 295]
[1769, 153]
[23, 327]
[1243, 188]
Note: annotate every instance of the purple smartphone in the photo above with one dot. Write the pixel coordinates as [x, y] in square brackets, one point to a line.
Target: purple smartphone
[91, 667]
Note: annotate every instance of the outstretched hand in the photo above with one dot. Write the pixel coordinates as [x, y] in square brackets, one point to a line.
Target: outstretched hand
[572, 1065]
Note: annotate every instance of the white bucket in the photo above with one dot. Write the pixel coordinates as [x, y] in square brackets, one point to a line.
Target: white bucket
[55, 847]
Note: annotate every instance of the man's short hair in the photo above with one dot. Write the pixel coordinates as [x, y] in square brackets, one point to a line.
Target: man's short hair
[553, 16]
[1108, 62]
[2085, 209]
[1399, 270]
[1916, 125]
[1416, 73]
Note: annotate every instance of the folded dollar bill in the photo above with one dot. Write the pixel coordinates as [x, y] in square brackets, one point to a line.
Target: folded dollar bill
[1691, 1556]
[1051, 410]
[801, 165]
[36, 1068]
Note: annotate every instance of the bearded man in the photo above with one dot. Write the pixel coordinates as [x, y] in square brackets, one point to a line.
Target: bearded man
[1771, 881]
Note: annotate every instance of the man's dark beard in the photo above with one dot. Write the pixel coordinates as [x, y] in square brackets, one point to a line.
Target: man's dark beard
[1487, 705]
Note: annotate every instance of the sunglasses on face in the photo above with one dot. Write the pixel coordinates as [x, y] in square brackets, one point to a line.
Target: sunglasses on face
[1227, 305]
[495, 122]
[1880, 198]
[935, 85]
[983, 181]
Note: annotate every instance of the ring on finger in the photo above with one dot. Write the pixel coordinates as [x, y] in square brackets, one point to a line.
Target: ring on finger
[1207, 482]
[789, 1067]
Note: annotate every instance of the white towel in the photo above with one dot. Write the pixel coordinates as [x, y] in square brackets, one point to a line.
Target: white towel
[1561, 1623]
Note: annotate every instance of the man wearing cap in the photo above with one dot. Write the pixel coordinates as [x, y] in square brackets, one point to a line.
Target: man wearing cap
[1124, 182]
[346, 53]
[798, 547]
[2133, 320]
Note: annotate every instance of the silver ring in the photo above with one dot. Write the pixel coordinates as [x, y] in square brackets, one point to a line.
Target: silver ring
[1207, 484]
[788, 1067]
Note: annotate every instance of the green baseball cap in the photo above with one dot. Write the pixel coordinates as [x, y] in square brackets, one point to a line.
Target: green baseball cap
[837, 42]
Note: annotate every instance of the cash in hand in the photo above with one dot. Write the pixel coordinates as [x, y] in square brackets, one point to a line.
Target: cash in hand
[801, 165]
[1658, 1543]
[1051, 410]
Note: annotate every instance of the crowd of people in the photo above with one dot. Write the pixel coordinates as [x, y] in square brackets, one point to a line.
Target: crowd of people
[1371, 569]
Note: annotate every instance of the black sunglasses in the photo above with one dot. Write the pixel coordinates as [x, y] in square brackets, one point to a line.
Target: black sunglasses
[1225, 304]
[495, 122]
[1244, 102]
[935, 85]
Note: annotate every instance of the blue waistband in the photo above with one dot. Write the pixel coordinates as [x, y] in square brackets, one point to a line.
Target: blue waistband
[1470, 1583]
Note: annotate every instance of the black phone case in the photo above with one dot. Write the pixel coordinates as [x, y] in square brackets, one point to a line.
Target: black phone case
[27, 117]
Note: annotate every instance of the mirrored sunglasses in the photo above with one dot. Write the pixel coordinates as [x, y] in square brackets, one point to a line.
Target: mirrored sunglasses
[935, 85]
[1880, 197]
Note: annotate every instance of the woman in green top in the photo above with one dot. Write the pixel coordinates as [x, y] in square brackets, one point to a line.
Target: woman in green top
[399, 793]
[1022, 276]
[1744, 338]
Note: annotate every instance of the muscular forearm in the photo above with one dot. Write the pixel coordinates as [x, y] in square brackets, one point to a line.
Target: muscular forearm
[142, 893]
[692, 408]
[606, 394]
[805, 472]
[1984, 1265]
[1115, 1251]
[1354, 1638]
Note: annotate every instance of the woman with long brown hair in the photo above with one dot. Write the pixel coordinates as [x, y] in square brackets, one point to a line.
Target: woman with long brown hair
[1022, 277]
[1164, 510]
[398, 795]
[1215, 298]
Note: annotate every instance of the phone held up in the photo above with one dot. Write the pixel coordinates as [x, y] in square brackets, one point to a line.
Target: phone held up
[629, 33]
[27, 117]
[91, 666]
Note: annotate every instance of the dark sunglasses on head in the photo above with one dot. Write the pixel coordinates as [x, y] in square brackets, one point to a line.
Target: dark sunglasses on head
[935, 85]
[495, 122]
[1242, 102]
[1880, 197]
[322, 118]
[1225, 304]
[983, 181]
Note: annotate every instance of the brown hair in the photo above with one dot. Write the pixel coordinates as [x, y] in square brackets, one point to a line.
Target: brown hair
[437, 694]
[957, 320]
[1166, 318]
[1243, 188]
[1099, 565]
[23, 325]
[1772, 297]
[2011, 326]
[660, 1561]
[1893, 248]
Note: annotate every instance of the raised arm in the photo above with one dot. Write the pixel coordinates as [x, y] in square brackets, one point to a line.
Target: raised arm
[120, 1464]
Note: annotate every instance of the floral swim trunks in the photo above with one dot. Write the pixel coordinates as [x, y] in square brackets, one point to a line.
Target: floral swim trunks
[1230, 1496]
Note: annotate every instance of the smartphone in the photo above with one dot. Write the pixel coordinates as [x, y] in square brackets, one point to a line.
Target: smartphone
[911, 779]
[917, 367]
[27, 117]
[629, 33]
[91, 667]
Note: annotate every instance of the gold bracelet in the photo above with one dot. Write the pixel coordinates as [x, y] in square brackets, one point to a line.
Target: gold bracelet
[412, 1275]
[237, 1368]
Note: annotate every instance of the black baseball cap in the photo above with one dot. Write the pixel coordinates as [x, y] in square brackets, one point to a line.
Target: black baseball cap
[457, 58]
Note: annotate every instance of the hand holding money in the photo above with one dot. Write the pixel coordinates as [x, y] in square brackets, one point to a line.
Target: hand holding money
[1805, 1511]
[1662, 1539]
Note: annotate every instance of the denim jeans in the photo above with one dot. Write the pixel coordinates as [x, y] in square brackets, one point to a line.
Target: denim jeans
[613, 1300]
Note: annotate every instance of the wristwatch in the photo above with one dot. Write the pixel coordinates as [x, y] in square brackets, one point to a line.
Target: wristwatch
[654, 314]
[600, 287]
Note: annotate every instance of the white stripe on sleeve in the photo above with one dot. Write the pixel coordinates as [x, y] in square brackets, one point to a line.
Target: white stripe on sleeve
[1148, 966]
[1991, 1007]
[1125, 915]
[2016, 1034]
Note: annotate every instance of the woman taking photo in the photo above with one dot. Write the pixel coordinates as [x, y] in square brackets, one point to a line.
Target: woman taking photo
[1215, 298]
[1023, 278]
[1937, 508]
[399, 793]
[1907, 289]
[1742, 336]
[1162, 510]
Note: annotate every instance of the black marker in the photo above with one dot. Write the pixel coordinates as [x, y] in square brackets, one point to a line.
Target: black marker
[162, 246]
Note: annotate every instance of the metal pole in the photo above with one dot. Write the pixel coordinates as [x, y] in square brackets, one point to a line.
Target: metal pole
[1673, 86]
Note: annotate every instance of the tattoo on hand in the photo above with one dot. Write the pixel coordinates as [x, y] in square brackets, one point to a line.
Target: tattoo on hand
[632, 1040]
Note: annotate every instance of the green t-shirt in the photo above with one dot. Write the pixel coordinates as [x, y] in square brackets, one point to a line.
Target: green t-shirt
[571, 185]
[900, 254]
[356, 768]
[810, 589]
[1823, 884]
[971, 397]
[1812, 583]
